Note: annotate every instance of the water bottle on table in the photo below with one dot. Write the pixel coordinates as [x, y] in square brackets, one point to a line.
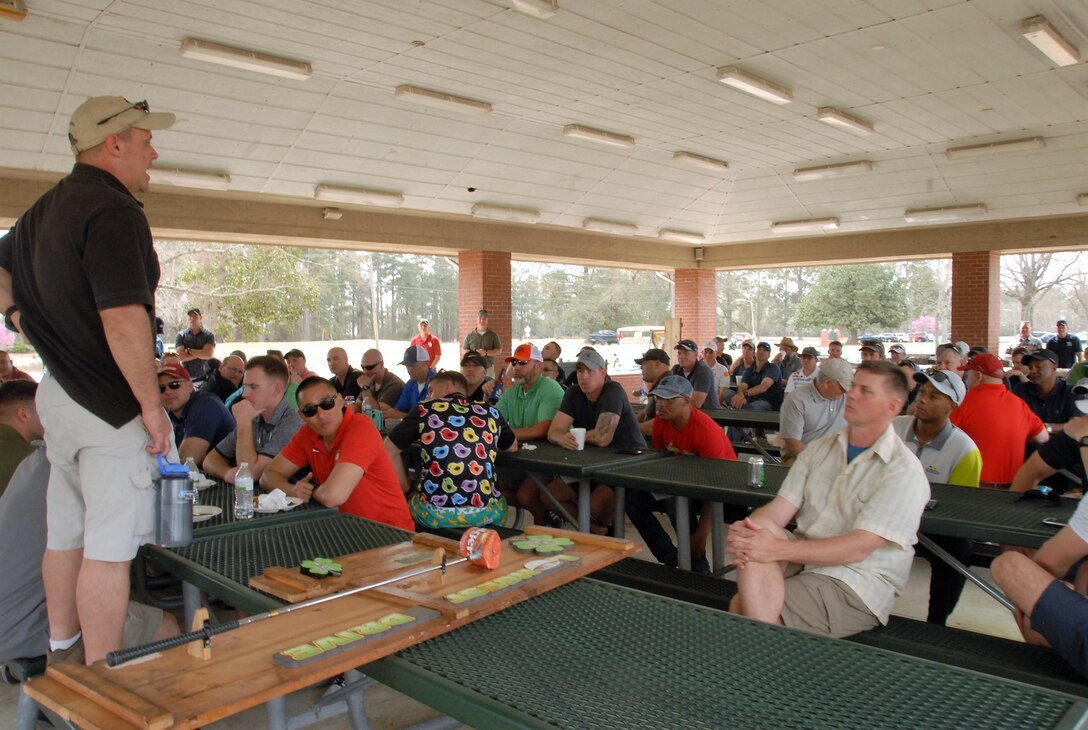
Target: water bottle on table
[243, 493]
[195, 476]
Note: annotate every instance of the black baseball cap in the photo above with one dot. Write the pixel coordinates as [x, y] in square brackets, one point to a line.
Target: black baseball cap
[654, 354]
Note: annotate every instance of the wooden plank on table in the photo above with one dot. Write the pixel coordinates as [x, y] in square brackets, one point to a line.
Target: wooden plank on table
[114, 697]
[242, 671]
[73, 706]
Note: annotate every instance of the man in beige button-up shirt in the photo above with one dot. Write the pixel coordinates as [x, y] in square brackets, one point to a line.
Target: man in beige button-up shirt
[857, 496]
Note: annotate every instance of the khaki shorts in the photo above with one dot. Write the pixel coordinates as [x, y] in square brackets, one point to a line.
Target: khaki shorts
[821, 604]
[141, 624]
[100, 495]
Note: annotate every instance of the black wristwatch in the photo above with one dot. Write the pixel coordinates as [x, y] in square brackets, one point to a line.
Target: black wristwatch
[7, 318]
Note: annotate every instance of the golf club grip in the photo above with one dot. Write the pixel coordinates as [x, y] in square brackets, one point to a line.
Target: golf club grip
[126, 655]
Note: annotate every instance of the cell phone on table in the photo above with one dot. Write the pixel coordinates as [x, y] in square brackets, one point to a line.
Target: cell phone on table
[931, 504]
[1053, 522]
[631, 451]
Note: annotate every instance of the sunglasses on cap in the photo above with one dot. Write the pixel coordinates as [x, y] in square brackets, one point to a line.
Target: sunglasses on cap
[939, 375]
[172, 385]
[141, 105]
[311, 410]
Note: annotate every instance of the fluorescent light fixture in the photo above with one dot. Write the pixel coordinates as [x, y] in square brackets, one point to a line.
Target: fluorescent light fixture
[506, 213]
[943, 215]
[1050, 42]
[707, 163]
[189, 178]
[247, 60]
[809, 225]
[442, 100]
[754, 85]
[542, 9]
[842, 120]
[672, 234]
[1082, 199]
[826, 172]
[602, 226]
[12, 9]
[598, 135]
[1026, 144]
[358, 196]
[332, 214]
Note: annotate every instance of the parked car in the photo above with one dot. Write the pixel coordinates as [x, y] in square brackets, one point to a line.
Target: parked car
[921, 337]
[603, 337]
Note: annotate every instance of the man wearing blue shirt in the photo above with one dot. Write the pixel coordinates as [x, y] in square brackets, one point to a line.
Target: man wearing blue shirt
[417, 360]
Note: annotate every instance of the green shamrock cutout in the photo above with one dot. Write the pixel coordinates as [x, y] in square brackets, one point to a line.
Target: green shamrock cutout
[542, 544]
[321, 567]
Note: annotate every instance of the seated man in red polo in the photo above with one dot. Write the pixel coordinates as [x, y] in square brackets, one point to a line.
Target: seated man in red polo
[351, 469]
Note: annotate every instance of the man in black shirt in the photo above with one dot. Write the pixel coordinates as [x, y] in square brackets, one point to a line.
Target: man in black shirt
[1048, 396]
[195, 346]
[344, 378]
[1066, 346]
[77, 270]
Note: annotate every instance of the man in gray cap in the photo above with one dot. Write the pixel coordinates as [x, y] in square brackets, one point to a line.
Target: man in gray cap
[78, 273]
[949, 456]
[682, 430]
[897, 353]
[483, 341]
[816, 409]
[810, 362]
[418, 363]
[600, 406]
[872, 350]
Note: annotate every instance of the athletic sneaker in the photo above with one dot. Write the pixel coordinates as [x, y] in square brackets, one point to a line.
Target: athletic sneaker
[74, 653]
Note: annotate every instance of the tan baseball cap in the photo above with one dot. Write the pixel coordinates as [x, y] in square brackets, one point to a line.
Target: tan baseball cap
[101, 116]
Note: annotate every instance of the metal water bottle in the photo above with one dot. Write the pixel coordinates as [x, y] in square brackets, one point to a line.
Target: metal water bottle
[173, 505]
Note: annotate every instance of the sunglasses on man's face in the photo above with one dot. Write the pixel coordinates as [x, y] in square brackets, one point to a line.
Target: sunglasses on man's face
[141, 105]
[311, 410]
[172, 385]
[520, 362]
[368, 368]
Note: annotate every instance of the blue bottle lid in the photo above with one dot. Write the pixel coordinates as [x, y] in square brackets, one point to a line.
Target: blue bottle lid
[167, 469]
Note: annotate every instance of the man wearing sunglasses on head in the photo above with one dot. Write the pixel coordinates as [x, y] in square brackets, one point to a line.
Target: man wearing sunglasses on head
[200, 419]
[378, 387]
[78, 274]
[351, 469]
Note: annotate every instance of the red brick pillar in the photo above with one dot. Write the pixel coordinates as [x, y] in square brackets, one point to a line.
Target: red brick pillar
[484, 283]
[976, 298]
[696, 303]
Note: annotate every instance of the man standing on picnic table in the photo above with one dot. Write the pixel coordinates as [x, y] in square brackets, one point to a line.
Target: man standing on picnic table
[857, 497]
[78, 274]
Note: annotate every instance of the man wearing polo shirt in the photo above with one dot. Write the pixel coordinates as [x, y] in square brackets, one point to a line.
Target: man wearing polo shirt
[997, 421]
[759, 389]
[1067, 346]
[531, 402]
[483, 341]
[682, 430]
[266, 422]
[351, 469]
[688, 365]
[432, 344]
[200, 419]
[379, 387]
[195, 345]
[949, 456]
[1048, 396]
[655, 366]
[417, 361]
[815, 410]
[809, 363]
[857, 497]
[344, 378]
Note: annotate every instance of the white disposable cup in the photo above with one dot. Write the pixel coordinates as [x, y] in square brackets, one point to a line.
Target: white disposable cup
[579, 436]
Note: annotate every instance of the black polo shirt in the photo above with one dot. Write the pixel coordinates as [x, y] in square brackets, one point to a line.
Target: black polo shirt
[350, 387]
[195, 341]
[83, 247]
[1066, 348]
[1058, 407]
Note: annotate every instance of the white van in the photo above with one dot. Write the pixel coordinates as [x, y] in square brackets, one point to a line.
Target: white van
[643, 336]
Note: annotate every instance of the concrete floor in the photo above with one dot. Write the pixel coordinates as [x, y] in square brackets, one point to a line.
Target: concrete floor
[388, 709]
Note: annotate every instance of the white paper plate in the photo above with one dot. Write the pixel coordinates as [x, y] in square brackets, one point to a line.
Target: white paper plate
[202, 484]
[204, 512]
[292, 502]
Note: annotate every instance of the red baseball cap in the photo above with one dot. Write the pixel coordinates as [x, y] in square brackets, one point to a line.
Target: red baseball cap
[987, 364]
[175, 371]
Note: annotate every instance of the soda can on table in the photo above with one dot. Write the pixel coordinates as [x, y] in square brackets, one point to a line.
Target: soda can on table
[755, 472]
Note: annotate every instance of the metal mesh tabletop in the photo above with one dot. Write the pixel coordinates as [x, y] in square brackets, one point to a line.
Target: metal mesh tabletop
[223, 564]
[720, 480]
[744, 419]
[998, 516]
[551, 459]
[221, 495]
[607, 657]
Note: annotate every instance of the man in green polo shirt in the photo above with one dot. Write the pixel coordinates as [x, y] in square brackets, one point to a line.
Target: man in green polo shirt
[531, 402]
[19, 426]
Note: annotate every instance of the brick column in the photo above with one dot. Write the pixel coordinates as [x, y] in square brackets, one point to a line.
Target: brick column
[696, 303]
[484, 283]
[976, 298]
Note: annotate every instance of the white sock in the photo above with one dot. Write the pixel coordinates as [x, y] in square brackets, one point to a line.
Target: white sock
[64, 644]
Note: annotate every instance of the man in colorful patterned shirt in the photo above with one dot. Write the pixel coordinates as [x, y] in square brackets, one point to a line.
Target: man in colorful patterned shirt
[459, 442]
